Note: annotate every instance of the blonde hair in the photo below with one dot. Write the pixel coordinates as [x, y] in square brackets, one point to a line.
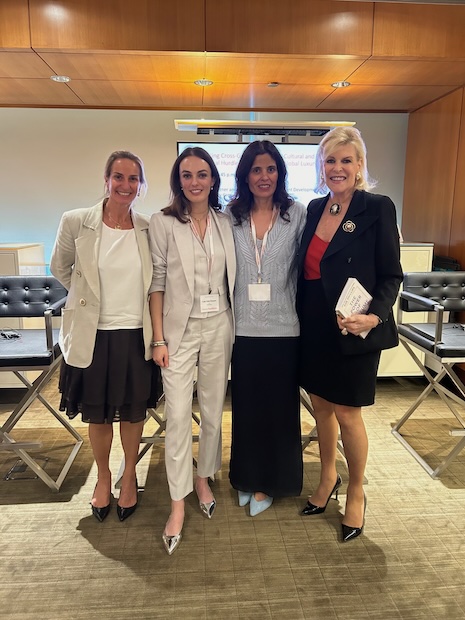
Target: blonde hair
[337, 137]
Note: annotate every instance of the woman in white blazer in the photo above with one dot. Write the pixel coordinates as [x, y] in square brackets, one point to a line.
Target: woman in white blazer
[191, 294]
[102, 256]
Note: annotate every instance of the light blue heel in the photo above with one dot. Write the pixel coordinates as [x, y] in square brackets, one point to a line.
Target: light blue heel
[258, 507]
[244, 498]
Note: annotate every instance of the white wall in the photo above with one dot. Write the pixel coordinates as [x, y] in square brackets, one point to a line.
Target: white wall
[52, 159]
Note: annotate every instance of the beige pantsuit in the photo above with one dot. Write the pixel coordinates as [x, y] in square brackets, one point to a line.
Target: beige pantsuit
[193, 340]
[210, 342]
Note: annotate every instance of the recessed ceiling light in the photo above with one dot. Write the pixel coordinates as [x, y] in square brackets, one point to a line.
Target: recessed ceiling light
[340, 84]
[60, 78]
[273, 84]
[203, 82]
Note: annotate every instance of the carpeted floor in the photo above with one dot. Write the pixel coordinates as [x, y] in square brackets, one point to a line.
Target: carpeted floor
[58, 563]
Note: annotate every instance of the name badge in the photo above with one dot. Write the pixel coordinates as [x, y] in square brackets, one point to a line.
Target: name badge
[260, 292]
[210, 303]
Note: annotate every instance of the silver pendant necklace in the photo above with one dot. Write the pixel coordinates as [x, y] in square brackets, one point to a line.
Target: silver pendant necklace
[335, 208]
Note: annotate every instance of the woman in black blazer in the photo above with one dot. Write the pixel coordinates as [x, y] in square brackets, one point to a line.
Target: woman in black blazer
[349, 233]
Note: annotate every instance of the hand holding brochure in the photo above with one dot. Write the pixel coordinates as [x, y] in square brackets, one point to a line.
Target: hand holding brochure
[354, 299]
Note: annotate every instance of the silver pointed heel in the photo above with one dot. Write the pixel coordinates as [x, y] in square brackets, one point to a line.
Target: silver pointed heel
[209, 508]
[171, 543]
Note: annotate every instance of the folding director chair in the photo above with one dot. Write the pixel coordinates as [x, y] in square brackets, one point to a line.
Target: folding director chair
[32, 350]
[444, 343]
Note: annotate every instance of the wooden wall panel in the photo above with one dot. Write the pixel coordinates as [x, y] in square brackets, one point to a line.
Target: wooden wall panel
[430, 171]
[36, 92]
[174, 67]
[314, 27]
[156, 25]
[374, 97]
[14, 25]
[457, 235]
[419, 31]
[23, 65]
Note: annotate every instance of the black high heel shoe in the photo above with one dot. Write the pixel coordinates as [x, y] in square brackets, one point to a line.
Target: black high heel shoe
[122, 512]
[101, 513]
[311, 509]
[348, 532]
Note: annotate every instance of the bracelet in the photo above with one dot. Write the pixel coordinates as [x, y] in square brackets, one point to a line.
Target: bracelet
[158, 343]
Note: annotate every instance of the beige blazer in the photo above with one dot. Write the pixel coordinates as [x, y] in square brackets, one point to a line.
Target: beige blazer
[172, 248]
[74, 263]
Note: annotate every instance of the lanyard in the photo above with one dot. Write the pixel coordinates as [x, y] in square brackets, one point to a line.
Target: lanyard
[210, 256]
[259, 255]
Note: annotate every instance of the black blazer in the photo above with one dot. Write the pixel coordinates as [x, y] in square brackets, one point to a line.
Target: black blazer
[370, 253]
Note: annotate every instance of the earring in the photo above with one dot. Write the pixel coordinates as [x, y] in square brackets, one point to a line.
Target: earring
[357, 176]
[322, 176]
[211, 188]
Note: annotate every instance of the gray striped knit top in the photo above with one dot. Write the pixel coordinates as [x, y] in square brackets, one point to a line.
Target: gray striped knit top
[277, 317]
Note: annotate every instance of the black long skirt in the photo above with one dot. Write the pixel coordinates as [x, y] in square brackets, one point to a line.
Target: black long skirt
[119, 384]
[266, 449]
[324, 370]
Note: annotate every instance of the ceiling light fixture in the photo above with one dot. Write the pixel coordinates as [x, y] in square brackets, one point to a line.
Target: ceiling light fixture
[60, 78]
[203, 82]
[340, 84]
[273, 84]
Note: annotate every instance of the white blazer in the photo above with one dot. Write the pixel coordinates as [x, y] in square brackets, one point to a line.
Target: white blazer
[74, 263]
[172, 248]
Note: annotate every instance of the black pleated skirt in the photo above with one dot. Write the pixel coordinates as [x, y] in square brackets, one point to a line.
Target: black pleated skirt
[324, 370]
[266, 449]
[119, 384]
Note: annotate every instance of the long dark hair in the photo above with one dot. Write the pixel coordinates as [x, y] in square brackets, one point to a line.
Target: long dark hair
[179, 204]
[243, 199]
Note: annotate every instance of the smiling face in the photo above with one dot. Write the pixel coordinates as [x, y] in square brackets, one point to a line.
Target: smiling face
[263, 176]
[196, 180]
[124, 182]
[340, 169]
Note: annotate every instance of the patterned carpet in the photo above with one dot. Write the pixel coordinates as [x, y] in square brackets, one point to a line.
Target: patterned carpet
[59, 563]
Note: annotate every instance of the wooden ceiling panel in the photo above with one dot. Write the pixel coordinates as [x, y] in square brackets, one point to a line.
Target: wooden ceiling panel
[36, 93]
[23, 65]
[132, 67]
[418, 72]
[118, 25]
[395, 98]
[317, 28]
[283, 69]
[138, 94]
[260, 97]
[14, 29]
[418, 31]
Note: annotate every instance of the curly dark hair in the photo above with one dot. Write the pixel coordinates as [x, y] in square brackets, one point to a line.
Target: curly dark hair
[179, 204]
[243, 199]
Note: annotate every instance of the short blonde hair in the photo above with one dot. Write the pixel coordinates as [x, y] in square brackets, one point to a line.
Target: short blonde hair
[337, 137]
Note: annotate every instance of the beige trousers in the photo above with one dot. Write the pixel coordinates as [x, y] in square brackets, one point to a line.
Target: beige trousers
[207, 344]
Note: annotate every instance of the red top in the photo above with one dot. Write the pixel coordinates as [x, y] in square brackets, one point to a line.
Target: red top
[315, 251]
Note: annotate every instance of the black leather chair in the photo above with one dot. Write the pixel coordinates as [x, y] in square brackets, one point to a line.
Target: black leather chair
[442, 342]
[32, 350]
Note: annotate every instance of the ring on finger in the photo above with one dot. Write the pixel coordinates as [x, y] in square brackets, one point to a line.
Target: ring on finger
[344, 332]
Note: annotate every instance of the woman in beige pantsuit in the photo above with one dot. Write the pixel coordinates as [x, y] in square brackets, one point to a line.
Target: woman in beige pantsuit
[190, 302]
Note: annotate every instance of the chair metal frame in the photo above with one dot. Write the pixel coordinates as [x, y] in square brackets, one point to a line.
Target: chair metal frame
[435, 292]
[26, 297]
